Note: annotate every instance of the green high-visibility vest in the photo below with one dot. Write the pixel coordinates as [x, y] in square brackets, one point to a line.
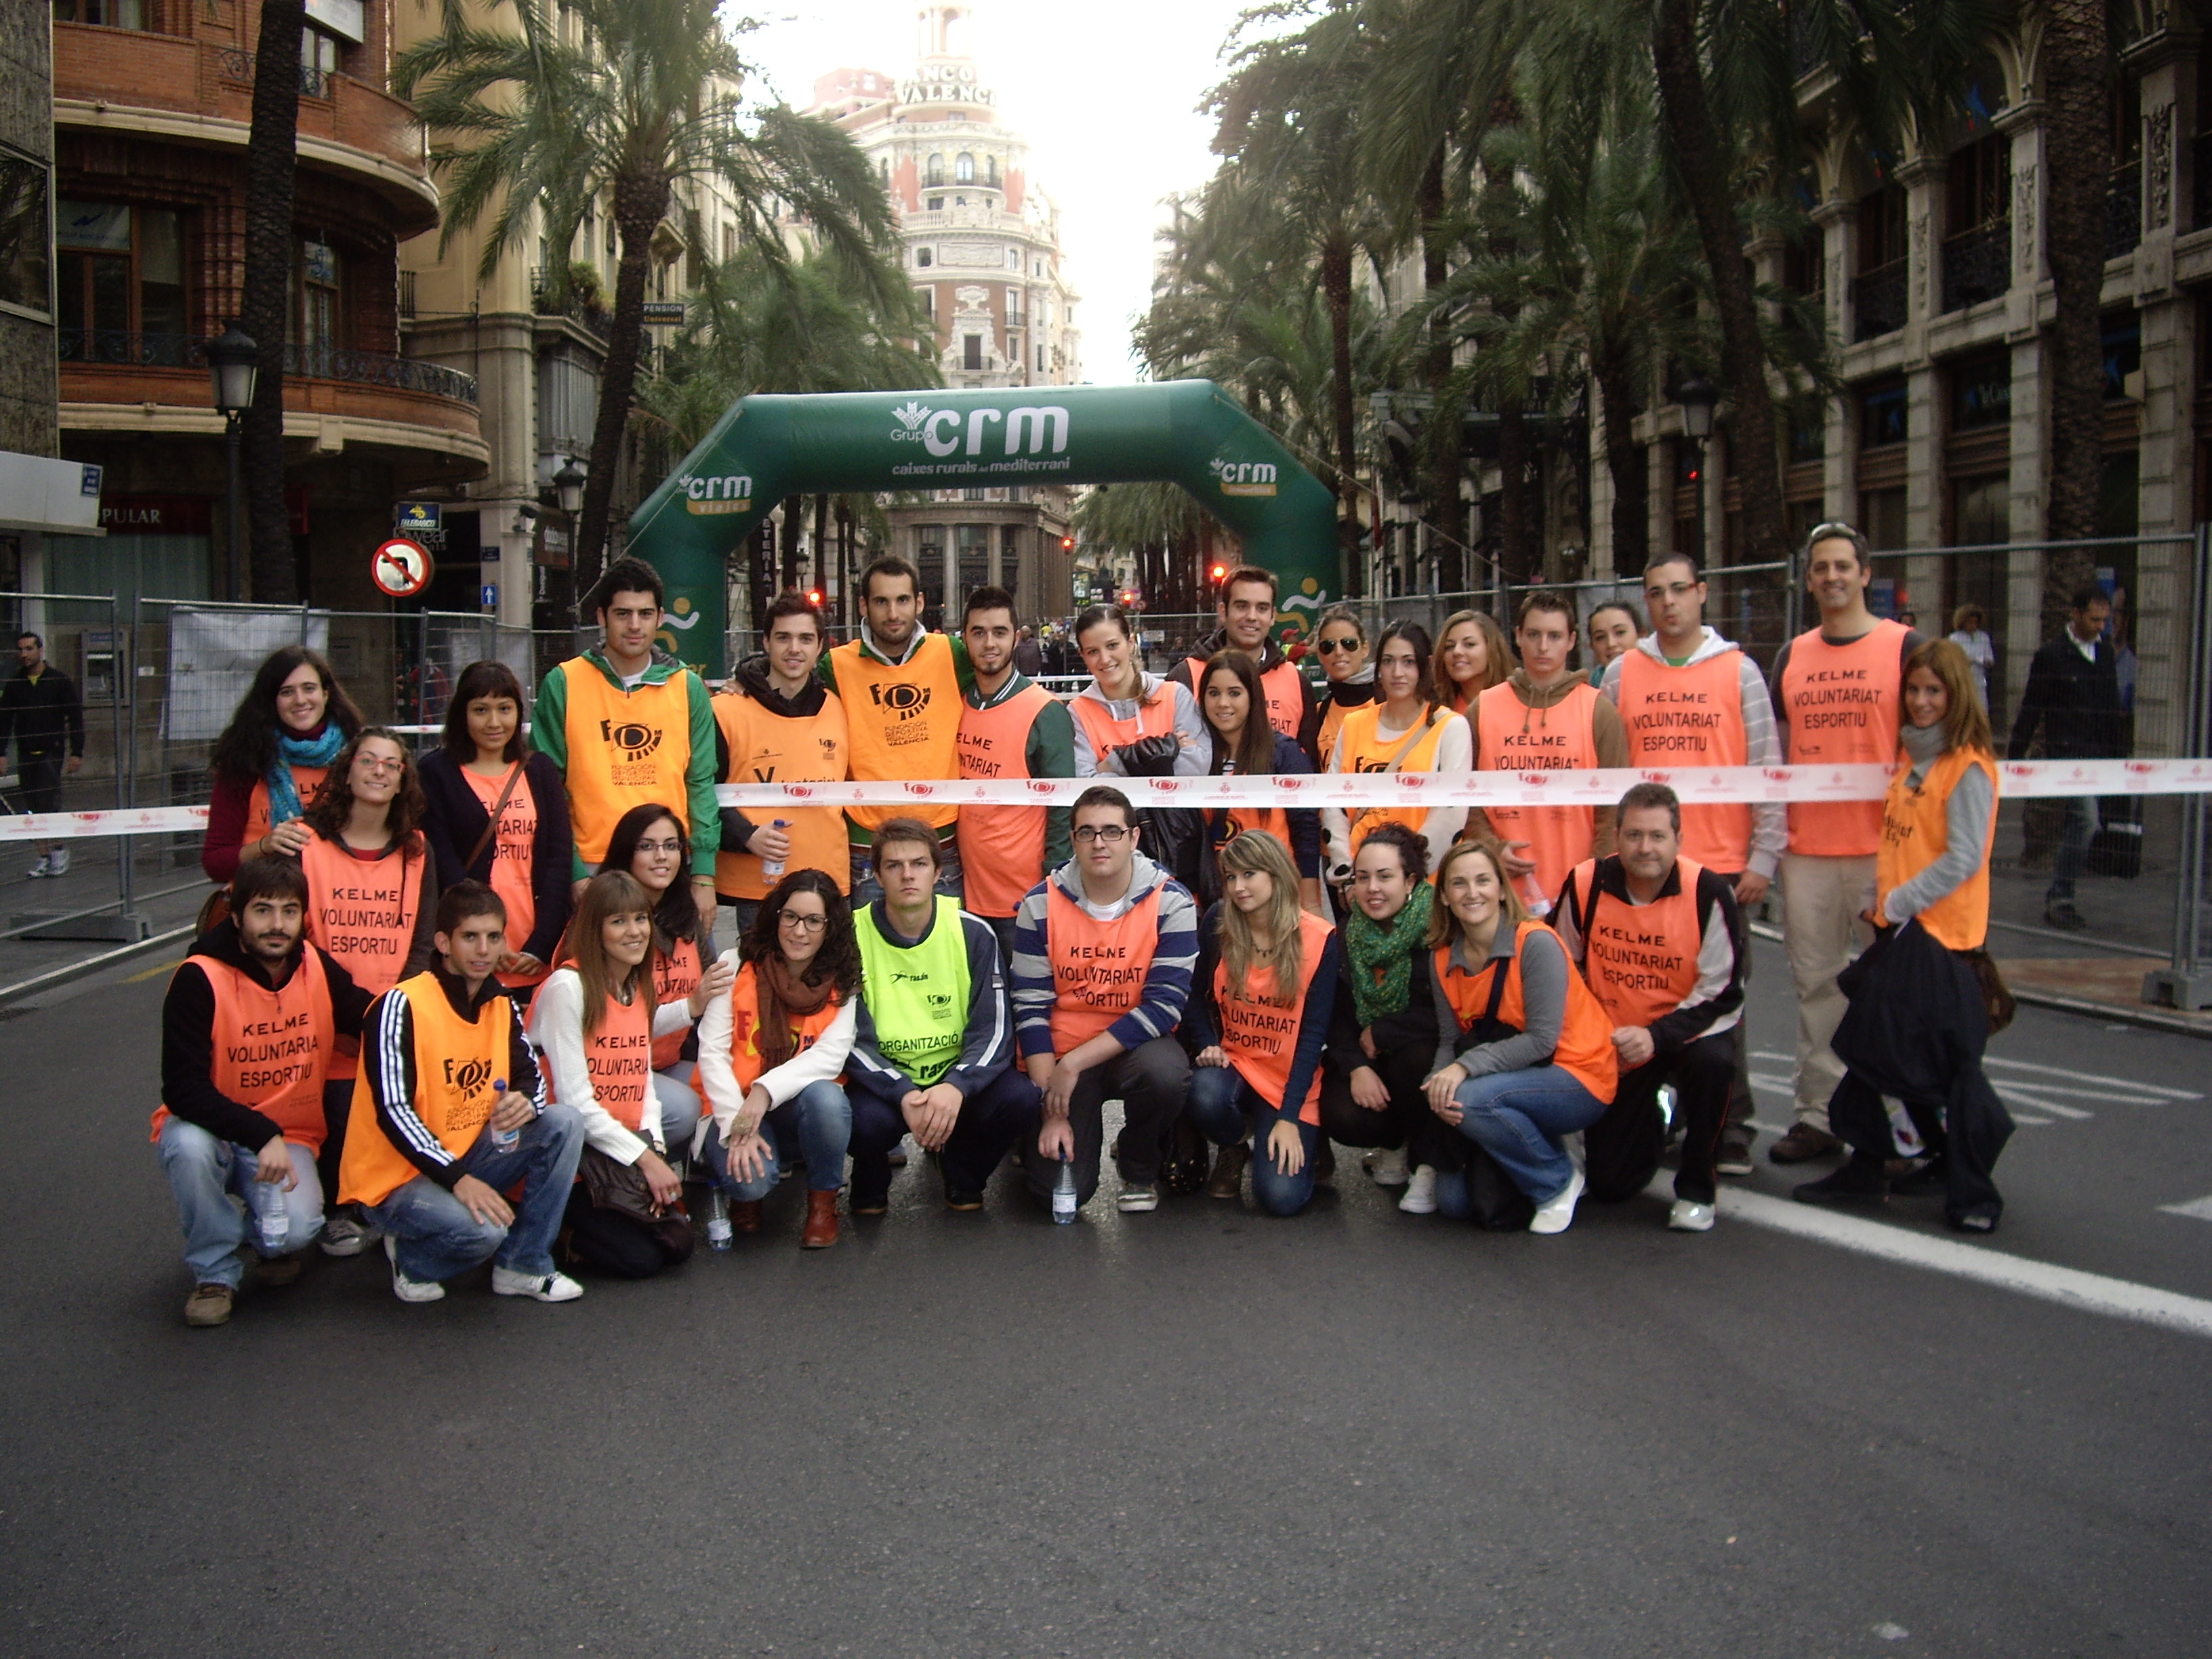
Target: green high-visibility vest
[917, 994]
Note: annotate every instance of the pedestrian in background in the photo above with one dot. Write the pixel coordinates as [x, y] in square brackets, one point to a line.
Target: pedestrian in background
[2072, 702]
[1029, 655]
[267, 764]
[40, 711]
[1971, 635]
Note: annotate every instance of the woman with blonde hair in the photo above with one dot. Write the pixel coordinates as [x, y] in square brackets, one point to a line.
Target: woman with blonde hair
[1472, 656]
[1256, 1025]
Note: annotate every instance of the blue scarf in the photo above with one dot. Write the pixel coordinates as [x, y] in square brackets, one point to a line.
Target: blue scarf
[318, 751]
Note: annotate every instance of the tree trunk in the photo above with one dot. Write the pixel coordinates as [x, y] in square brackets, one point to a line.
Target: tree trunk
[1627, 462]
[1336, 288]
[271, 153]
[1517, 539]
[640, 205]
[1703, 164]
[1446, 443]
[2078, 146]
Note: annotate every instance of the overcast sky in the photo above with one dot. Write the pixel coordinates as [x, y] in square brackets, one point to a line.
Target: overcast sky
[1106, 97]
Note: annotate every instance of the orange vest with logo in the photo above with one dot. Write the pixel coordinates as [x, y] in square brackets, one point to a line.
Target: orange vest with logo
[1914, 835]
[768, 748]
[1260, 1029]
[1001, 847]
[1098, 968]
[1332, 722]
[1692, 716]
[745, 1060]
[676, 975]
[1512, 737]
[1843, 702]
[1282, 685]
[363, 912]
[625, 749]
[1585, 1047]
[306, 783]
[619, 1058]
[903, 723]
[1640, 960]
[272, 1048]
[457, 1061]
[1104, 733]
[1366, 750]
[513, 854]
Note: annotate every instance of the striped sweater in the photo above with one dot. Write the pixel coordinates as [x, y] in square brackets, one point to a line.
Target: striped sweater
[1167, 983]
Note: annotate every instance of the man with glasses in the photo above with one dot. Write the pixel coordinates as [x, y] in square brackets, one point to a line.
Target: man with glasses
[1104, 949]
[1247, 609]
[1690, 698]
[1838, 693]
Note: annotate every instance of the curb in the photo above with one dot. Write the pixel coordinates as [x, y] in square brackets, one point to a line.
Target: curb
[67, 971]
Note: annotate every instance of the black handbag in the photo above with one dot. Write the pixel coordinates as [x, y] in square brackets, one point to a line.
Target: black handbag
[2116, 850]
[620, 1187]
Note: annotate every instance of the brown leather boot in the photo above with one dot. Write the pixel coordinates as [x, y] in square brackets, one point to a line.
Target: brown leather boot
[745, 1216]
[821, 1221]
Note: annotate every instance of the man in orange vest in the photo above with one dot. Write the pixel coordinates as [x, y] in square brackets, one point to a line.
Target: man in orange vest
[904, 689]
[1689, 697]
[1104, 950]
[1010, 727]
[246, 1032]
[629, 725]
[1547, 719]
[450, 1115]
[1661, 941]
[1838, 693]
[1247, 609]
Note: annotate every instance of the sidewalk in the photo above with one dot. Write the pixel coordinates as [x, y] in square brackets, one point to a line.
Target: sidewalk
[91, 881]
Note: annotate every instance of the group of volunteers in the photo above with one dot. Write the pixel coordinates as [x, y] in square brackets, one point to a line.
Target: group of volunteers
[472, 1005]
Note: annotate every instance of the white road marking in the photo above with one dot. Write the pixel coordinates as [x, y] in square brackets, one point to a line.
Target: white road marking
[2115, 1298]
[2200, 1208]
[2127, 1084]
[2013, 1095]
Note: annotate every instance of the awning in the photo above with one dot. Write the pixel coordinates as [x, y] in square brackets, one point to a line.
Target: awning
[61, 498]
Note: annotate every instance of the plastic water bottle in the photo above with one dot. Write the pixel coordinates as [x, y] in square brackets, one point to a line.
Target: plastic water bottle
[772, 869]
[270, 1222]
[1532, 896]
[502, 1140]
[718, 1219]
[1064, 1194]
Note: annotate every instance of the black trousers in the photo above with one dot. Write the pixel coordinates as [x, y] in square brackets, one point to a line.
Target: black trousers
[1406, 1121]
[337, 1108]
[1151, 1081]
[991, 1119]
[1621, 1150]
[612, 1243]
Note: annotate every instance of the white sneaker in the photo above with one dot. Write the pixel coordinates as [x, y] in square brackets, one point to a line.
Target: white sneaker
[1421, 1197]
[38, 869]
[1559, 1214]
[58, 861]
[406, 1289]
[539, 1287]
[344, 1236]
[1689, 1217]
[1388, 1168]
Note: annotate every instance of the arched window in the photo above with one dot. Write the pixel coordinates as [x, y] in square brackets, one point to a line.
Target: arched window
[936, 169]
[963, 170]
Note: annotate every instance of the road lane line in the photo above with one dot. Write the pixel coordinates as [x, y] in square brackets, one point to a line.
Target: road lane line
[2199, 1208]
[2128, 1084]
[2016, 1095]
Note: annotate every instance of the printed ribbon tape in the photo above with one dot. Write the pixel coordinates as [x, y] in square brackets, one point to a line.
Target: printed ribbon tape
[1417, 790]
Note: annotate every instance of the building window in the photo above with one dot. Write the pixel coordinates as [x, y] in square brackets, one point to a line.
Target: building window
[119, 271]
[1981, 392]
[929, 298]
[1013, 259]
[991, 171]
[964, 168]
[1881, 416]
[109, 13]
[921, 257]
[2123, 356]
[936, 203]
[322, 317]
[971, 352]
[26, 270]
[1040, 367]
[936, 169]
[319, 61]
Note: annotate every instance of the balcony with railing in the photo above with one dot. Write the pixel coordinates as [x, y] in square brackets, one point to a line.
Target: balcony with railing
[2123, 211]
[1878, 302]
[1977, 265]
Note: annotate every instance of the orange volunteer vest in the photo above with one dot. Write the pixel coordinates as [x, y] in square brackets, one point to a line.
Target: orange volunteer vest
[625, 749]
[1585, 1048]
[514, 851]
[619, 1058]
[363, 912]
[306, 782]
[903, 723]
[765, 748]
[1692, 716]
[1843, 702]
[1104, 733]
[1001, 847]
[676, 975]
[1098, 968]
[272, 1048]
[1913, 837]
[1640, 960]
[1260, 1029]
[745, 1062]
[1509, 736]
[457, 1061]
[1282, 687]
[1332, 722]
[1365, 751]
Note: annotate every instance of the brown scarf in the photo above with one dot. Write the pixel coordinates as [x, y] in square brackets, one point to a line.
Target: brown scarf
[784, 999]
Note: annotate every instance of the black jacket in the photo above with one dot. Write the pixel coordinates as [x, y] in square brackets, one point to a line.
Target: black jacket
[188, 1038]
[456, 822]
[1270, 657]
[39, 718]
[2076, 702]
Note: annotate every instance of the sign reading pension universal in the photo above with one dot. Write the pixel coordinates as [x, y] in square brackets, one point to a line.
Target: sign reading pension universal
[1187, 432]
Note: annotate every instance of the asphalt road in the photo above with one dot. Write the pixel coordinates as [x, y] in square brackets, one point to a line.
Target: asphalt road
[1199, 1431]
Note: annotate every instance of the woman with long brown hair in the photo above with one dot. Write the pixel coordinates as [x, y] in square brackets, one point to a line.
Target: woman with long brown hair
[1472, 656]
[1406, 729]
[265, 767]
[1246, 745]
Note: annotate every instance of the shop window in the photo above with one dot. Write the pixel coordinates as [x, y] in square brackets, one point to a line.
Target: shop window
[1881, 416]
[119, 271]
[1981, 392]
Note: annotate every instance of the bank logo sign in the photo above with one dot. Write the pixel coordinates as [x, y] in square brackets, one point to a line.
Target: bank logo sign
[1245, 477]
[712, 497]
[1035, 429]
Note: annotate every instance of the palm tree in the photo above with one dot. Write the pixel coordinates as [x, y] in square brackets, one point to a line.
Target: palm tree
[271, 155]
[620, 101]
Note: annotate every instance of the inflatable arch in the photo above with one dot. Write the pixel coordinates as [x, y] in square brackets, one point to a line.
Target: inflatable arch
[767, 447]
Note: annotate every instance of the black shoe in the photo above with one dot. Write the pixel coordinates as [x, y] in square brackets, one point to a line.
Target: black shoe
[862, 1203]
[1858, 1181]
[964, 1202]
[1933, 1176]
[1972, 1221]
[2061, 913]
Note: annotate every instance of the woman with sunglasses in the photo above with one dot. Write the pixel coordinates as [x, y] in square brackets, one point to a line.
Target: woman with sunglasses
[1341, 642]
[1246, 745]
[1472, 656]
[1403, 730]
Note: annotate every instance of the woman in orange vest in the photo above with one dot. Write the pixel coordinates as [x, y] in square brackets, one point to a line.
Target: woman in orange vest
[372, 904]
[771, 1050]
[594, 1020]
[1524, 1054]
[1472, 656]
[650, 845]
[1256, 1025]
[265, 767]
[1341, 642]
[1245, 744]
[1405, 729]
[1918, 1015]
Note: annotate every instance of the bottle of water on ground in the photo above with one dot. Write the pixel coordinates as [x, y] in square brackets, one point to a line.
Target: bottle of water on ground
[1064, 1193]
[505, 1140]
[772, 869]
[718, 1218]
[271, 1223]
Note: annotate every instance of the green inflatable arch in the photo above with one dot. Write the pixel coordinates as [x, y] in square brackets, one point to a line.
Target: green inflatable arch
[767, 447]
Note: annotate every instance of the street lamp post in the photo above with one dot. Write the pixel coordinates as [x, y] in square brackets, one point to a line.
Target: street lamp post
[1698, 398]
[568, 496]
[234, 369]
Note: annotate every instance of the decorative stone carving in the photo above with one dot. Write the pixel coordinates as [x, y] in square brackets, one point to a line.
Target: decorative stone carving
[1918, 232]
[2023, 214]
[2158, 155]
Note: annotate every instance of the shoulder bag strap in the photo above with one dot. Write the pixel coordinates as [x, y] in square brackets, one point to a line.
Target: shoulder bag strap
[491, 824]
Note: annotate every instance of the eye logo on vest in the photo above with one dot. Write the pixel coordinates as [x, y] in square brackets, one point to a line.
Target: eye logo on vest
[632, 742]
[1243, 478]
[903, 700]
[469, 1076]
[713, 497]
[828, 748]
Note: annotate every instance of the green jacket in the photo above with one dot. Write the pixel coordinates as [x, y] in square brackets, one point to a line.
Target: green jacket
[549, 735]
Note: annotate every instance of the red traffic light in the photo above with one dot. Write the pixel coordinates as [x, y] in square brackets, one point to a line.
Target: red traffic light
[1068, 543]
[814, 596]
[1219, 572]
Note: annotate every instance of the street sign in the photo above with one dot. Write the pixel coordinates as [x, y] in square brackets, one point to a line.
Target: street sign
[663, 311]
[413, 518]
[401, 568]
[490, 599]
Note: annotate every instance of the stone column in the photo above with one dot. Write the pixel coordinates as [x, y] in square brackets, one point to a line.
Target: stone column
[1838, 222]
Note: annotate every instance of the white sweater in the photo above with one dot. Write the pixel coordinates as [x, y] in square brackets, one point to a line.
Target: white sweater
[718, 1082]
[556, 1026]
[1454, 753]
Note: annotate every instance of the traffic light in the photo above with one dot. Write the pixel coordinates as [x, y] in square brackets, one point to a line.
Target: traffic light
[1068, 543]
[1218, 573]
[814, 596]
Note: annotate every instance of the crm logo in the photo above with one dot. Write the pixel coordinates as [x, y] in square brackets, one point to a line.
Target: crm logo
[633, 738]
[902, 700]
[1245, 477]
[733, 493]
[1032, 427]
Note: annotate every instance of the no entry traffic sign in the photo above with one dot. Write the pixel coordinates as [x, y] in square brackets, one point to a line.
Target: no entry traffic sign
[401, 568]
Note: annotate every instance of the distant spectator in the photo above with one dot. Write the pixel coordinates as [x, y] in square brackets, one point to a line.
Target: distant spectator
[40, 708]
[2073, 702]
[1971, 635]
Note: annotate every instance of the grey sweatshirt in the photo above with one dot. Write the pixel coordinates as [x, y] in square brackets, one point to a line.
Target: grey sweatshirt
[1543, 970]
[1965, 827]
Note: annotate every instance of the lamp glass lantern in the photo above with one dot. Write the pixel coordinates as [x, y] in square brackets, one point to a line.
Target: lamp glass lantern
[234, 369]
[1698, 398]
[568, 486]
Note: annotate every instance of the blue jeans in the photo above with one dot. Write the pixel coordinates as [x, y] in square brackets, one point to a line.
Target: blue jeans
[677, 1090]
[1221, 1104]
[436, 1237]
[204, 1172]
[815, 1125]
[1518, 1118]
[2072, 847]
[866, 889]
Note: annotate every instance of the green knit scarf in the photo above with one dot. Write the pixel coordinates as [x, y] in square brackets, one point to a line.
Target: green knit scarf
[1382, 954]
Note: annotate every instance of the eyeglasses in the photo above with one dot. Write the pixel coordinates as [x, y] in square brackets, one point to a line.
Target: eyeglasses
[370, 764]
[660, 847]
[802, 921]
[1330, 647]
[1109, 833]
